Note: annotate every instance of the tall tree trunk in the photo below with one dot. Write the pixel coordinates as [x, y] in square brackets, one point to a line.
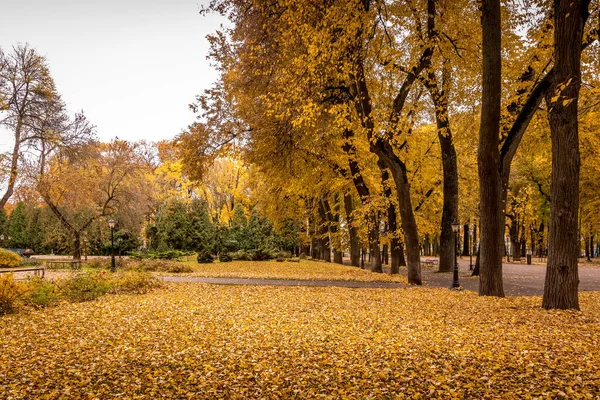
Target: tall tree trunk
[352, 231]
[450, 205]
[488, 158]
[392, 220]
[562, 279]
[592, 249]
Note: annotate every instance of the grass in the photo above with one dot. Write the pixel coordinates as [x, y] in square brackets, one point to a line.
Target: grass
[305, 269]
[208, 341]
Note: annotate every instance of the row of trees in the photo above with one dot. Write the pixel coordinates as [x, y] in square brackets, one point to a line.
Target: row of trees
[371, 107]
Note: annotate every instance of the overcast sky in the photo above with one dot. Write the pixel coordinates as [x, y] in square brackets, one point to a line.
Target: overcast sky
[132, 66]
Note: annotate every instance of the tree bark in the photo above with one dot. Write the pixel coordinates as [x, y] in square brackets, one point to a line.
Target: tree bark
[364, 195]
[465, 250]
[562, 278]
[352, 231]
[488, 159]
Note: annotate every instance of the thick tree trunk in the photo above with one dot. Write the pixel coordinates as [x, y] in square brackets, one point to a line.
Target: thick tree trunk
[449, 166]
[562, 278]
[352, 231]
[488, 158]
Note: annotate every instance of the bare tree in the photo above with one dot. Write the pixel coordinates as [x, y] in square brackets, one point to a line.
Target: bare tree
[26, 87]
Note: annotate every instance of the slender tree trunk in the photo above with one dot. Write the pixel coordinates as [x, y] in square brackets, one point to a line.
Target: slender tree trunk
[364, 195]
[465, 249]
[592, 246]
[562, 278]
[352, 231]
[14, 165]
[401, 259]
[488, 159]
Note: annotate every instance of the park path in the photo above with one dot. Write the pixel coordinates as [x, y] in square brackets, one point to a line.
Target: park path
[519, 280]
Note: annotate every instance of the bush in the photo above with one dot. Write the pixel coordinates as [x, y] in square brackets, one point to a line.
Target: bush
[11, 292]
[42, 293]
[159, 255]
[294, 259]
[98, 263]
[31, 262]
[261, 255]
[241, 255]
[160, 266]
[138, 282]
[302, 256]
[85, 286]
[204, 257]
[8, 259]
[225, 257]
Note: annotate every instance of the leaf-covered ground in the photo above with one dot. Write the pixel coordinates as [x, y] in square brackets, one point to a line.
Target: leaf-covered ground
[205, 341]
[314, 270]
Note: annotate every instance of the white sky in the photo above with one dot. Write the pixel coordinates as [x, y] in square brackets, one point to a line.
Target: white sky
[132, 66]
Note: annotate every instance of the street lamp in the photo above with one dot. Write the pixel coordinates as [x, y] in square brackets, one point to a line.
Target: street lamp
[471, 228]
[113, 264]
[455, 282]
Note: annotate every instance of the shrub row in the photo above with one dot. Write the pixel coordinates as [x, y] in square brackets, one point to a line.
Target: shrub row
[159, 255]
[152, 265]
[245, 255]
[84, 286]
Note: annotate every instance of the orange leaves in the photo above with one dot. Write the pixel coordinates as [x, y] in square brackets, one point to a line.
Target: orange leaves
[200, 341]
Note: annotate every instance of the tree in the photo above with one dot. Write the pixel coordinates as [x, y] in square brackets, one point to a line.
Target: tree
[490, 184]
[25, 89]
[562, 280]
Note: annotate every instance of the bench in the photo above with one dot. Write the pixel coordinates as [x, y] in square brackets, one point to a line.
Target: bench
[430, 262]
[61, 264]
[35, 270]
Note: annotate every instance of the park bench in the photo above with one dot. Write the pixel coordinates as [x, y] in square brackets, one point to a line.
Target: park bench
[36, 270]
[63, 264]
[430, 262]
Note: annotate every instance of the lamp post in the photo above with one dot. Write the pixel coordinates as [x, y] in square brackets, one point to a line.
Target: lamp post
[471, 228]
[113, 264]
[455, 282]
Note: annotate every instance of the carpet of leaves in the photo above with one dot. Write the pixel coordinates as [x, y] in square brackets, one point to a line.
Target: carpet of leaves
[305, 269]
[207, 341]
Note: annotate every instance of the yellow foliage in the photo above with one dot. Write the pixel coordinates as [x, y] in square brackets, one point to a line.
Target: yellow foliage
[207, 341]
[8, 259]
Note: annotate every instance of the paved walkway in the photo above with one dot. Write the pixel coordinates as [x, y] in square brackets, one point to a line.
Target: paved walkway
[519, 280]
